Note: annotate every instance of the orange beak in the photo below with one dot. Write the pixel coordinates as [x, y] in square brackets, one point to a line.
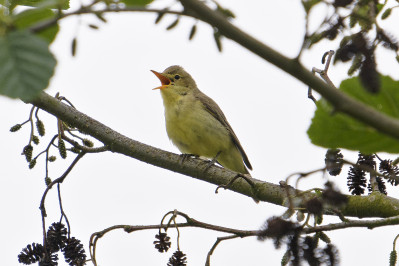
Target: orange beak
[164, 80]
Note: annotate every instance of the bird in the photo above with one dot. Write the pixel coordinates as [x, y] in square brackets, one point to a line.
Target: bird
[195, 123]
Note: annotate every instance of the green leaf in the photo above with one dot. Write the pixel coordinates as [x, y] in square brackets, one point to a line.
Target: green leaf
[26, 65]
[341, 131]
[30, 17]
[56, 4]
[136, 2]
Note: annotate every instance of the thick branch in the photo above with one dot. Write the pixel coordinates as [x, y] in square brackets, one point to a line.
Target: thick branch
[341, 102]
[375, 205]
[88, 10]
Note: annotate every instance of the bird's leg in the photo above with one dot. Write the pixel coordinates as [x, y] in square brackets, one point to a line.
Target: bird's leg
[185, 156]
[247, 179]
[212, 162]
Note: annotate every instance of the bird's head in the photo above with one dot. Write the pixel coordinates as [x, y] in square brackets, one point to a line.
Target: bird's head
[175, 79]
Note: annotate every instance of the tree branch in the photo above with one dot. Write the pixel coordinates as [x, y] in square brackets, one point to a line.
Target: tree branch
[233, 233]
[374, 205]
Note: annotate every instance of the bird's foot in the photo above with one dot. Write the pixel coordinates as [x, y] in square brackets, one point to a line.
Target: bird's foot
[247, 179]
[210, 163]
[185, 156]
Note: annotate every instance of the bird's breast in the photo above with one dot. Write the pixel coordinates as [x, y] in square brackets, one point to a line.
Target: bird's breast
[194, 130]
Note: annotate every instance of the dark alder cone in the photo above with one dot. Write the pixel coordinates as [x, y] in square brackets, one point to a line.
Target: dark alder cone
[357, 174]
[332, 32]
[332, 196]
[309, 251]
[56, 237]
[51, 260]
[74, 253]
[314, 206]
[369, 77]
[293, 248]
[334, 161]
[356, 180]
[163, 242]
[367, 160]
[178, 259]
[277, 228]
[346, 53]
[31, 254]
[331, 255]
[380, 184]
[351, 46]
[390, 172]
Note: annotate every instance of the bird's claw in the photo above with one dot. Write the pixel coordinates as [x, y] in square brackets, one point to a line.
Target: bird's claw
[185, 156]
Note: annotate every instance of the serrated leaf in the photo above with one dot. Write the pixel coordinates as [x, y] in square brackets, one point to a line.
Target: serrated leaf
[136, 2]
[26, 65]
[341, 131]
[30, 17]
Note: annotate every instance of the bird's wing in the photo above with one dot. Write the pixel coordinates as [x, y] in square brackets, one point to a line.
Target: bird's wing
[217, 113]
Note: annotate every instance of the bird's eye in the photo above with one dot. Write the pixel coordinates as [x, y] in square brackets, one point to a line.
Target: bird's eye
[177, 77]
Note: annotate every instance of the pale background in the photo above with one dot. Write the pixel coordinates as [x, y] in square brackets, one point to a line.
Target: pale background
[110, 80]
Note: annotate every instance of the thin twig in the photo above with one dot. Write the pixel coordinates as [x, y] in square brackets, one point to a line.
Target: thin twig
[323, 73]
[31, 124]
[85, 148]
[58, 180]
[218, 240]
[47, 152]
[63, 215]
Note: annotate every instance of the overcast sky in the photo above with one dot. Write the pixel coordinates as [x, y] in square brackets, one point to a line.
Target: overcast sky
[110, 80]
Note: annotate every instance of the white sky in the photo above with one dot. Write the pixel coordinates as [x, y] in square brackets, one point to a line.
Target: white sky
[110, 80]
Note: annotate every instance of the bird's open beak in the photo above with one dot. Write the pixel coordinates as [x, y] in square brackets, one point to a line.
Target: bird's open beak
[164, 80]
